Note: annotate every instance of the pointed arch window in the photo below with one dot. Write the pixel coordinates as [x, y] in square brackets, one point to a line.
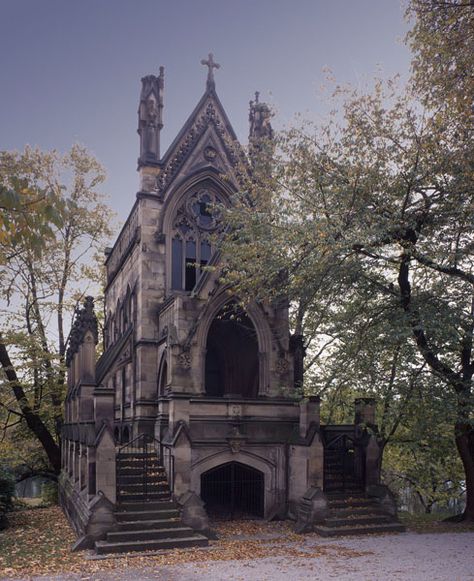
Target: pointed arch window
[191, 247]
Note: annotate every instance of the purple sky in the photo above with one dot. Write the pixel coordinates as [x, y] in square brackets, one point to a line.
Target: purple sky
[71, 69]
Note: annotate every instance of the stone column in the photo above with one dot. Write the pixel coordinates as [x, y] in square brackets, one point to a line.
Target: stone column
[105, 466]
[82, 467]
[364, 408]
[365, 419]
[103, 406]
[309, 413]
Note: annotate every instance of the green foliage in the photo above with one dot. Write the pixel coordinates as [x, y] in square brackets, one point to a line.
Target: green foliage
[421, 459]
[49, 493]
[365, 224]
[56, 227]
[7, 491]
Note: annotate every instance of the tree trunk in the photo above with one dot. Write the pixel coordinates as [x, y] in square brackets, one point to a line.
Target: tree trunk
[461, 383]
[33, 420]
[464, 434]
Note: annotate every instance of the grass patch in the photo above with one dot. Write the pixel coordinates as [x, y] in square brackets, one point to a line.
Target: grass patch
[432, 523]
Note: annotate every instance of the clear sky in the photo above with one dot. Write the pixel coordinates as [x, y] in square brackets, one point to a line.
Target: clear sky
[71, 69]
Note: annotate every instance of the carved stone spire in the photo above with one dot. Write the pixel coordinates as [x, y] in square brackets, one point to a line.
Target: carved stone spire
[85, 321]
[259, 118]
[150, 118]
[211, 65]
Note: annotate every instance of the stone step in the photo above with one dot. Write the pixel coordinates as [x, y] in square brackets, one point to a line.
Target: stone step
[341, 495]
[141, 525]
[136, 515]
[149, 534]
[146, 505]
[142, 497]
[381, 528]
[138, 478]
[136, 454]
[136, 471]
[124, 464]
[103, 547]
[142, 487]
[357, 520]
[358, 511]
[351, 502]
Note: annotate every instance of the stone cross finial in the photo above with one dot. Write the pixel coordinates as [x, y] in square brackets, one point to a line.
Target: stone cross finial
[210, 64]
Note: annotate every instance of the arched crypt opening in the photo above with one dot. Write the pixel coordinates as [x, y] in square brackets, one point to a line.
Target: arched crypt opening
[233, 491]
[232, 361]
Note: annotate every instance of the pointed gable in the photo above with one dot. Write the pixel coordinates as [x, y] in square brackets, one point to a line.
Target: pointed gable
[207, 140]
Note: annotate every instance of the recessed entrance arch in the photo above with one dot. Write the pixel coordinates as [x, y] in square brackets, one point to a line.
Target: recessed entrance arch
[232, 361]
[233, 490]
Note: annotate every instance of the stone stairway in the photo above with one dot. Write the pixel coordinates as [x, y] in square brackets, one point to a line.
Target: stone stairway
[147, 518]
[355, 514]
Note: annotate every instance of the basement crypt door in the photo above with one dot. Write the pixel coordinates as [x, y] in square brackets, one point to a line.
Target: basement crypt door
[233, 491]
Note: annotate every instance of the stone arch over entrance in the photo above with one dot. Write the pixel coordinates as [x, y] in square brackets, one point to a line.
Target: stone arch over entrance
[232, 363]
[233, 490]
[264, 467]
[255, 319]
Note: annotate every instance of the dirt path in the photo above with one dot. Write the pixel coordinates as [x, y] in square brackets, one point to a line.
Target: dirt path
[409, 556]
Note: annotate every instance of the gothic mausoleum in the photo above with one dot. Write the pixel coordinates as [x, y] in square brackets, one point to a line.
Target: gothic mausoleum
[191, 413]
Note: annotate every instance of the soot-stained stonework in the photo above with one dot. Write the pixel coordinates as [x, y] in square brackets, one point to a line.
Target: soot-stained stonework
[214, 389]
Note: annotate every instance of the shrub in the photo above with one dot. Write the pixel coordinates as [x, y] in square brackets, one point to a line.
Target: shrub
[7, 491]
[49, 492]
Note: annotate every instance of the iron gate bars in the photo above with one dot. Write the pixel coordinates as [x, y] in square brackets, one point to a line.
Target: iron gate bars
[233, 490]
[343, 465]
[145, 455]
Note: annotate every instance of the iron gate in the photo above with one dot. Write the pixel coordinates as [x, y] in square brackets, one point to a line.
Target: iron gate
[343, 464]
[233, 491]
[144, 467]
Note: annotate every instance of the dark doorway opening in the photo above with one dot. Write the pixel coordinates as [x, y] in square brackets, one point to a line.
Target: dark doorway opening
[233, 491]
[343, 464]
[232, 361]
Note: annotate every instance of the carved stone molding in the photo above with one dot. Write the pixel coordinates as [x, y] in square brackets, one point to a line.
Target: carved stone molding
[184, 360]
[281, 366]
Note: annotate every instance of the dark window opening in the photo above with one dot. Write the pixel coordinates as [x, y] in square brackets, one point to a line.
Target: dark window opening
[177, 264]
[125, 435]
[232, 358]
[205, 253]
[214, 384]
[190, 273]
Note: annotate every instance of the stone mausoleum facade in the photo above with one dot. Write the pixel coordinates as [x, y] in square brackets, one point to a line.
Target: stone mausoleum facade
[184, 368]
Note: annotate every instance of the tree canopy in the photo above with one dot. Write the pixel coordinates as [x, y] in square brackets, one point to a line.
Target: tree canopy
[55, 225]
[365, 223]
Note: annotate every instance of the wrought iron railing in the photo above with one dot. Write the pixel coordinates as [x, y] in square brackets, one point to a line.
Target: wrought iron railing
[344, 464]
[142, 451]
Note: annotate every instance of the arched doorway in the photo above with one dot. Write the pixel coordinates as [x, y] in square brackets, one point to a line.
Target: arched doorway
[232, 362]
[233, 491]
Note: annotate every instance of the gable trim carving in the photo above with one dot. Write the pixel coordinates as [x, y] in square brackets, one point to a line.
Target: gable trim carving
[209, 111]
